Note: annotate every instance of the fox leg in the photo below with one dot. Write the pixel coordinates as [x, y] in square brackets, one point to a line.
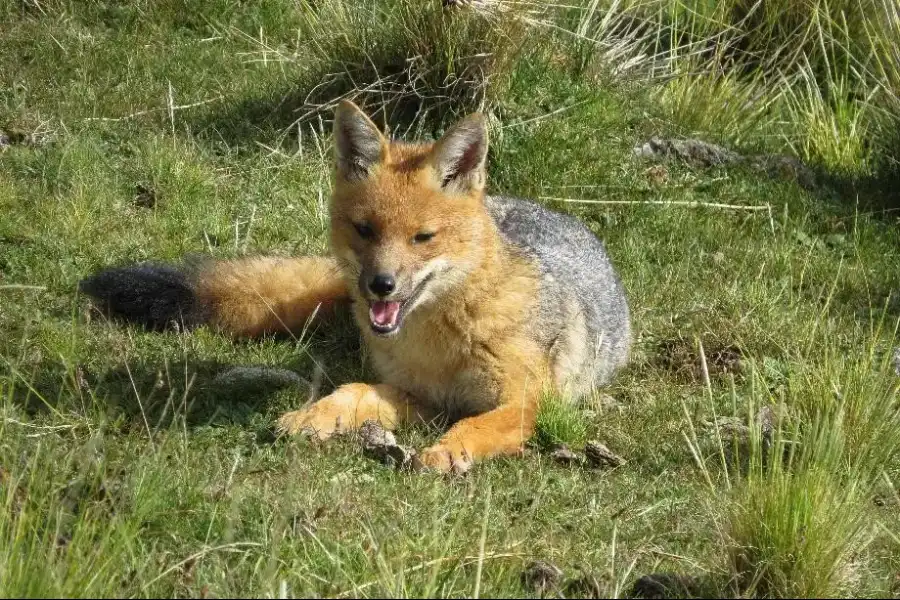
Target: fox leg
[246, 297]
[503, 430]
[350, 406]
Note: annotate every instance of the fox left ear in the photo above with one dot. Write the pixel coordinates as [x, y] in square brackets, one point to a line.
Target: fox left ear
[459, 156]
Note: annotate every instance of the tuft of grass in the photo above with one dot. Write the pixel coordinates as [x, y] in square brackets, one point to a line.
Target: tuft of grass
[816, 76]
[795, 535]
[559, 421]
[799, 520]
[734, 108]
[405, 62]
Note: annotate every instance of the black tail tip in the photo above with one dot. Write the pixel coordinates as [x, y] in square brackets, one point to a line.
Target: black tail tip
[153, 295]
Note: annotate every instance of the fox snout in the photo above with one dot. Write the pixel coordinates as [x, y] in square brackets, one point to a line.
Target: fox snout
[390, 295]
[380, 283]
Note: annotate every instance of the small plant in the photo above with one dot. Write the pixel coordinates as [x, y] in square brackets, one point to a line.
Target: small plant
[559, 422]
[400, 60]
[796, 527]
[795, 535]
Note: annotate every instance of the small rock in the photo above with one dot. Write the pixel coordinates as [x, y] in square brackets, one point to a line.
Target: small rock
[737, 437]
[785, 167]
[598, 455]
[382, 445]
[734, 429]
[245, 379]
[541, 576]
[657, 174]
[703, 154]
[767, 418]
[4, 140]
[664, 585]
[144, 196]
[564, 456]
[694, 152]
[373, 435]
[730, 429]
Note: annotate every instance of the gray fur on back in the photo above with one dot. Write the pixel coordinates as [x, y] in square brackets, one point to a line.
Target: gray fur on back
[583, 317]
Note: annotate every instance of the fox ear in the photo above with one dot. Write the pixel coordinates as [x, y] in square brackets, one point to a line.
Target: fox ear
[359, 145]
[459, 157]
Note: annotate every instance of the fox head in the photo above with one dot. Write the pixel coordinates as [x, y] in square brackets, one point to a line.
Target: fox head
[408, 221]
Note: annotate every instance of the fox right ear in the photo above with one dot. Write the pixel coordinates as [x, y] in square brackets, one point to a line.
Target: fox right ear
[359, 145]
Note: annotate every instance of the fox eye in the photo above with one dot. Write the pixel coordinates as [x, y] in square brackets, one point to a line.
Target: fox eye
[423, 237]
[364, 230]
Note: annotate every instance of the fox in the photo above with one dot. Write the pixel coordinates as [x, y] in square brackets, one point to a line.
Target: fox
[473, 307]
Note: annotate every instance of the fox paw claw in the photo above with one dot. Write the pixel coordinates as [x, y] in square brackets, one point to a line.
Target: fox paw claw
[310, 423]
[453, 460]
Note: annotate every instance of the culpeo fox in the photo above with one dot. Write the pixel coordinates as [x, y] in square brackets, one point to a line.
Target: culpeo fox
[472, 306]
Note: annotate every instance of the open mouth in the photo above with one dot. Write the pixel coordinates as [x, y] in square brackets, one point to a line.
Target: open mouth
[386, 316]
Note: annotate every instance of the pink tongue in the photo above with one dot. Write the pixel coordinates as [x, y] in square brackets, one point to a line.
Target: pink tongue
[384, 314]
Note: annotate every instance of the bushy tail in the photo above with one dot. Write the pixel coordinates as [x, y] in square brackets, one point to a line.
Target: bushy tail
[246, 297]
[154, 295]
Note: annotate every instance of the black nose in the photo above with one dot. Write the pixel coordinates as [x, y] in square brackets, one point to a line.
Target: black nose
[382, 285]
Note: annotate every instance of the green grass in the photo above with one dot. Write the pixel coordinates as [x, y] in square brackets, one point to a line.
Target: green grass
[127, 468]
[559, 422]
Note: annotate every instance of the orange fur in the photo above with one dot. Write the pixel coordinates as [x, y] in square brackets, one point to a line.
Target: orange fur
[465, 353]
[256, 296]
[350, 406]
[502, 430]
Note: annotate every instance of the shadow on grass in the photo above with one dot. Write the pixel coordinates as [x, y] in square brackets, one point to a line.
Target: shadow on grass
[155, 394]
[877, 195]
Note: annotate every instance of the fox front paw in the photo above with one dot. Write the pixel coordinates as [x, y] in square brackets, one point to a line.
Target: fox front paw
[319, 426]
[328, 417]
[444, 458]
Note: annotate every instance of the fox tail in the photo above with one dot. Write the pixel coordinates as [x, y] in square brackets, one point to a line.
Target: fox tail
[246, 297]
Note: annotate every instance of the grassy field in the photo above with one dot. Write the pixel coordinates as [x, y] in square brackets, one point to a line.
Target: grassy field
[130, 466]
